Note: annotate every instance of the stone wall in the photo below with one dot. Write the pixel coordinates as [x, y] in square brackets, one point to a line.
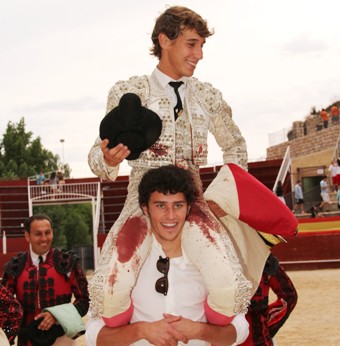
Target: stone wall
[306, 145]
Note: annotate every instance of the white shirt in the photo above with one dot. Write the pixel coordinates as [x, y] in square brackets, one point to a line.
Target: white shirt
[35, 257]
[333, 170]
[323, 186]
[185, 297]
[169, 90]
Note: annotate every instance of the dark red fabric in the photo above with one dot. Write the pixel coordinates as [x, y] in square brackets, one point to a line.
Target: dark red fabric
[48, 286]
[260, 208]
[261, 332]
[10, 314]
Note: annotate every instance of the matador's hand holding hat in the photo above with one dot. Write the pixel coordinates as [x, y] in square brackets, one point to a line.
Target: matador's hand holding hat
[131, 124]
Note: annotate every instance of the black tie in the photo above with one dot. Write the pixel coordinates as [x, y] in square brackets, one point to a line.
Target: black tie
[41, 260]
[179, 107]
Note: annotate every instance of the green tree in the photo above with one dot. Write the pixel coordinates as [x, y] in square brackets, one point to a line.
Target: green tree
[72, 224]
[21, 156]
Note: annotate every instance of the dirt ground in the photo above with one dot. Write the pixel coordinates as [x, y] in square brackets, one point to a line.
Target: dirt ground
[316, 318]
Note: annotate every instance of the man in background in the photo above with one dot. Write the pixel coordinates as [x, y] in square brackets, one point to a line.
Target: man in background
[44, 277]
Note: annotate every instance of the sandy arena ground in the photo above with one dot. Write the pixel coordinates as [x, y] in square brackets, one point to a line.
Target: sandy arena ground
[316, 318]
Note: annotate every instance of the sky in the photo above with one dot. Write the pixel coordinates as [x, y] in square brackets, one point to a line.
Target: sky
[273, 61]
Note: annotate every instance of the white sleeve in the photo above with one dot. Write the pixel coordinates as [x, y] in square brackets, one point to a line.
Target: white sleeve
[93, 327]
[242, 328]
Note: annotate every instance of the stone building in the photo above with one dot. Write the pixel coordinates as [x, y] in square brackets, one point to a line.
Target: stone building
[312, 148]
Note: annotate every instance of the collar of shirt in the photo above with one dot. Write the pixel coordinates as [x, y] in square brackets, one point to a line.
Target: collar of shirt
[35, 257]
[181, 260]
[164, 80]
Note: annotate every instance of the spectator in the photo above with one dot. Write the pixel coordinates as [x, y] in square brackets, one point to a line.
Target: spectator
[279, 191]
[335, 114]
[299, 201]
[333, 171]
[54, 182]
[40, 178]
[61, 181]
[324, 117]
[324, 193]
[337, 176]
[45, 277]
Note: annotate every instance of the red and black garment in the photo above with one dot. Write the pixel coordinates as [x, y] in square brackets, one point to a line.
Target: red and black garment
[10, 314]
[266, 319]
[52, 283]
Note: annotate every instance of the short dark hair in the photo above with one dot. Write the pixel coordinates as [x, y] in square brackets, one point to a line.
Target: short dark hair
[173, 21]
[28, 222]
[167, 180]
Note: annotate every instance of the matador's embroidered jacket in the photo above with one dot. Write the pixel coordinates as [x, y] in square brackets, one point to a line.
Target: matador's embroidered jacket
[10, 314]
[53, 283]
[186, 139]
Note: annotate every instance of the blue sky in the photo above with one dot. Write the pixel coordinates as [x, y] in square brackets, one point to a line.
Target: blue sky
[272, 60]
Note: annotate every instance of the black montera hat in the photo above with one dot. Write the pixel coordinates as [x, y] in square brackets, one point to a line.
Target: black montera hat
[41, 337]
[131, 124]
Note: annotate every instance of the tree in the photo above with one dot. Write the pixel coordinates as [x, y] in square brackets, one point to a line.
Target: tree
[72, 224]
[22, 157]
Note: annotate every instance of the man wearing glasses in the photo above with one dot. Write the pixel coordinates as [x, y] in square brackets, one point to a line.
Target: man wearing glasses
[169, 298]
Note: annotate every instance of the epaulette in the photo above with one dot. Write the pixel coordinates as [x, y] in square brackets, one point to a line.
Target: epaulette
[64, 260]
[271, 266]
[136, 84]
[209, 98]
[16, 264]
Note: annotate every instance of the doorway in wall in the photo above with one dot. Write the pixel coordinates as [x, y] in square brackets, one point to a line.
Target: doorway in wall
[311, 191]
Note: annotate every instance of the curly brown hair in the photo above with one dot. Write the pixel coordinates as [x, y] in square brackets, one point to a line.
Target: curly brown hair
[173, 21]
[168, 179]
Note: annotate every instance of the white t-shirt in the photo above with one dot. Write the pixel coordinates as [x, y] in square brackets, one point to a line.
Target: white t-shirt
[185, 297]
[333, 169]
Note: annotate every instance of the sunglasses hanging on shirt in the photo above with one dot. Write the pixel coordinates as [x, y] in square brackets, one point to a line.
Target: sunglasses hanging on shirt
[162, 284]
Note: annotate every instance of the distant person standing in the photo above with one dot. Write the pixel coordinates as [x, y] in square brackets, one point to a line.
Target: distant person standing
[337, 175]
[324, 118]
[335, 114]
[61, 181]
[54, 182]
[40, 178]
[299, 204]
[279, 191]
[333, 171]
[40, 181]
[324, 193]
[338, 196]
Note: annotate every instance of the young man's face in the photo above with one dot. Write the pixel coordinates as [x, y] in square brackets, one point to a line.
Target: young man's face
[180, 56]
[167, 215]
[40, 236]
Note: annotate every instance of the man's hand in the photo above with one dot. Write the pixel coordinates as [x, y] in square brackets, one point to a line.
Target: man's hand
[115, 155]
[213, 334]
[47, 322]
[162, 333]
[184, 326]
